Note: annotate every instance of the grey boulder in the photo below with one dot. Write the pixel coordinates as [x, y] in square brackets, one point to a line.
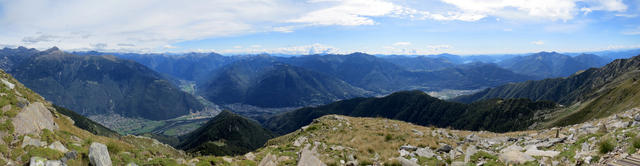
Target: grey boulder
[99, 155]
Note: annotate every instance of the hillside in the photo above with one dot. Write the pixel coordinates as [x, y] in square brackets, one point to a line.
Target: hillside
[342, 140]
[86, 123]
[419, 108]
[34, 131]
[265, 83]
[95, 85]
[551, 64]
[594, 93]
[226, 134]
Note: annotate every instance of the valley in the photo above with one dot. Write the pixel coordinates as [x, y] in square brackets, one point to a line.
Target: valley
[320, 83]
[412, 127]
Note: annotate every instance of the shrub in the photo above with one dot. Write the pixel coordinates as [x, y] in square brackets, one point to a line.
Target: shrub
[392, 163]
[44, 152]
[606, 145]
[7, 126]
[636, 142]
[113, 147]
[47, 136]
[388, 137]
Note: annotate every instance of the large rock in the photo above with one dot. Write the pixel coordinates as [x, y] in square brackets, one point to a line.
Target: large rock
[299, 141]
[26, 141]
[515, 157]
[32, 119]
[471, 150]
[425, 152]
[308, 157]
[444, 148]
[53, 163]
[409, 148]
[37, 161]
[250, 156]
[58, 146]
[533, 151]
[269, 160]
[7, 83]
[406, 162]
[99, 155]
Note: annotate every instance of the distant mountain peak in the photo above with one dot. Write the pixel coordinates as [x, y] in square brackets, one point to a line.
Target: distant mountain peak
[52, 49]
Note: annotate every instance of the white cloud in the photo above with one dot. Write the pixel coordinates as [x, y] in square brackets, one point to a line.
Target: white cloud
[145, 25]
[539, 42]
[402, 44]
[348, 12]
[401, 48]
[315, 48]
[585, 10]
[627, 15]
[531, 9]
[169, 46]
[149, 24]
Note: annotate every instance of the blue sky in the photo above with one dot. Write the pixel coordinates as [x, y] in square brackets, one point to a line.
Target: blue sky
[323, 26]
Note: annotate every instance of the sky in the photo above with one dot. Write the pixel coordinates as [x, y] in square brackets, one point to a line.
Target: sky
[409, 27]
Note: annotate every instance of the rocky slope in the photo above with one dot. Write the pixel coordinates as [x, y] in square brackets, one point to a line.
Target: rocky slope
[594, 93]
[34, 132]
[341, 140]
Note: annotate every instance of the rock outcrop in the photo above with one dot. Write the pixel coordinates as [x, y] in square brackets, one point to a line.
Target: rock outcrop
[99, 155]
[269, 160]
[308, 157]
[33, 118]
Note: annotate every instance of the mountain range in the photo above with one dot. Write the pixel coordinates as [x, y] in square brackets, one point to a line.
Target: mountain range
[552, 64]
[596, 92]
[419, 108]
[94, 85]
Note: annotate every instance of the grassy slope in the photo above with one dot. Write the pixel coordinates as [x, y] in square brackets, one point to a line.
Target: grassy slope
[86, 123]
[226, 134]
[122, 149]
[422, 109]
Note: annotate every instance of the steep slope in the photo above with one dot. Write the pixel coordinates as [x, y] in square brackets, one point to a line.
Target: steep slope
[422, 109]
[563, 90]
[8, 58]
[287, 85]
[231, 83]
[265, 83]
[226, 134]
[86, 123]
[596, 92]
[591, 60]
[544, 65]
[93, 85]
[34, 131]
